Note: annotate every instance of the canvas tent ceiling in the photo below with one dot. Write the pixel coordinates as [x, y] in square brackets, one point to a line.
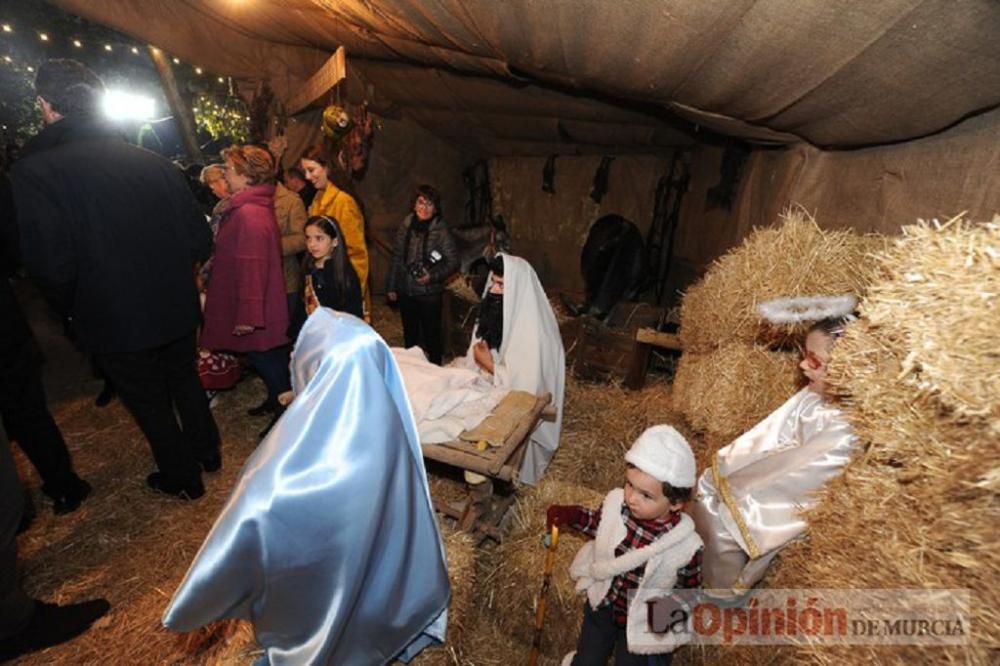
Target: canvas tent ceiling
[529, 76]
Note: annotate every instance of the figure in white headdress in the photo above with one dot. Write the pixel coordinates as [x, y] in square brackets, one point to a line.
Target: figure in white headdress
[515, 347]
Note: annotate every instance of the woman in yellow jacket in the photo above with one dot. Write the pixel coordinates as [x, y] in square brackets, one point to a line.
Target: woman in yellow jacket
[332, 201]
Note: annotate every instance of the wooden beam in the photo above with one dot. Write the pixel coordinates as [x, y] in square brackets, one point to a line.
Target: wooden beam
[656, 338]
[330, 74]
[179, 106]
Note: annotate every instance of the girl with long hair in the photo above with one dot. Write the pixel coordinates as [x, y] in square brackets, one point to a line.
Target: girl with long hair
[329, 279]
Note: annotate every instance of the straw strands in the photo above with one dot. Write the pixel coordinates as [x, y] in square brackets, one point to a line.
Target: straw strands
[460, 550]
[954, 354]
[512, 575]
[600, 422]
[929, 481]
[795, 258]
[726, 391]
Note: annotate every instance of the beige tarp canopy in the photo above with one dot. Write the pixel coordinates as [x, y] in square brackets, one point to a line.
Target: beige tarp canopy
[537, 76]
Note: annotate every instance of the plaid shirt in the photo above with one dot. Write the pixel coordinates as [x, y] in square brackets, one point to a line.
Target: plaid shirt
[638, 534]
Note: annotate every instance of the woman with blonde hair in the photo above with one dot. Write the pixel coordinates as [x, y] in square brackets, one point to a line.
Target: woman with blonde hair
[245, 307]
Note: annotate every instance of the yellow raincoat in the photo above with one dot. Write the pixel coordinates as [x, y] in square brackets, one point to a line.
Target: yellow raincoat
[341, 206]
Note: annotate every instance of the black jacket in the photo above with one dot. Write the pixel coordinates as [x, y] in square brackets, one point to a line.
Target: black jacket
[111, 232]
[345, 298]
[19, 354]
[436, 236]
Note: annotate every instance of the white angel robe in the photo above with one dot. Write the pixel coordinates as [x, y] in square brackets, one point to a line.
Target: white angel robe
[768, 475]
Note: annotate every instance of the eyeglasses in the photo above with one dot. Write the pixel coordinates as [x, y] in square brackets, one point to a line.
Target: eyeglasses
[812, 360]
[424, 203]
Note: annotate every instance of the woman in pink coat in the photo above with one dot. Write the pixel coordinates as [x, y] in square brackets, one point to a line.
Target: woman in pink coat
[245, 307]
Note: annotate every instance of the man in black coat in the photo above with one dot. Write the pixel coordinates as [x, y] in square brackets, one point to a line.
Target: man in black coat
[111, 232]
[23, 408]
[26, 624]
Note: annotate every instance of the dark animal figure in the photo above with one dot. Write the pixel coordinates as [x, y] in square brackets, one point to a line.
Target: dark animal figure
[613, 265]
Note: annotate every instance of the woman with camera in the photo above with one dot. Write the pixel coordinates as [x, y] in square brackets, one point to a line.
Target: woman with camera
[423, 257]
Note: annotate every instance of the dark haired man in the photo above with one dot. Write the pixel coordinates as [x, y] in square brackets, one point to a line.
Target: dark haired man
[111, 232]
[296, 181]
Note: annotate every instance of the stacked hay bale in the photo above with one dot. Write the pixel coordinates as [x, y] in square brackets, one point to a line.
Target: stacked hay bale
[600, 422]
[920, 381]
[736, 367]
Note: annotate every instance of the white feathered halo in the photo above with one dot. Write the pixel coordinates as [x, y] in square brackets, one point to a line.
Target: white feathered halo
[796, 309]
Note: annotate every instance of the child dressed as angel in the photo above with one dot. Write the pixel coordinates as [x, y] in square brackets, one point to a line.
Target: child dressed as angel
[748, 504]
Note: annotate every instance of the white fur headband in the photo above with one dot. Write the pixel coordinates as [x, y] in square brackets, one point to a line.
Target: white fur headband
[797, 309]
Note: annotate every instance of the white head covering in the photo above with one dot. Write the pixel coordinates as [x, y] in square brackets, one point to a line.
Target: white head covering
[665, 455]
[531, 356]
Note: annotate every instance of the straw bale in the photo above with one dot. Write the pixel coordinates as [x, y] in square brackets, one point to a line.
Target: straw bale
[929, 477]
[512, 574]
[955, 350]
[794, 258]
[600, 422]
[726, 391]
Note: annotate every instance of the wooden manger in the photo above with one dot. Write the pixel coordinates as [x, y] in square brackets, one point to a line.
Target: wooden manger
[494, 449]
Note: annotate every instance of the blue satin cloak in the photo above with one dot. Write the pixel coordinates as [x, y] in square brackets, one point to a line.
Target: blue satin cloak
[329, 543]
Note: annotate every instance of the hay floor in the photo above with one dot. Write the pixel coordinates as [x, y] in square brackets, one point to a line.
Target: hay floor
[132, 546]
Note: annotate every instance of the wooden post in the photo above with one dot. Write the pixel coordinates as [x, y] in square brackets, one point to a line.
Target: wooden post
[178, 105]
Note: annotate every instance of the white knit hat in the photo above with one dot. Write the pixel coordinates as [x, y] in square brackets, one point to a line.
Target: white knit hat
[665, 455]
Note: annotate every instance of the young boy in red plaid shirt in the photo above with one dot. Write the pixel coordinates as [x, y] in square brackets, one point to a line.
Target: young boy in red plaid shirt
[643, 545]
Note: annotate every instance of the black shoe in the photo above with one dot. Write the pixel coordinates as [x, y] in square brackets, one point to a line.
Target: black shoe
[212, 463]
[51, 625]
[106, 395]
[267, 407]
[159, 482]
[274, 419]
[69, 499]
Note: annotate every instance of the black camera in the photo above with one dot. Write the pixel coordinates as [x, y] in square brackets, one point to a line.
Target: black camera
[418, 268]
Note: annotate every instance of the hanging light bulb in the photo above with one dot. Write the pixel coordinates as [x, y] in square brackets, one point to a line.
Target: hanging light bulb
[135, 49]
[42, 36]
[177, 61]
[107, 47]
[7, 28]
[197, 70]
[77, 43]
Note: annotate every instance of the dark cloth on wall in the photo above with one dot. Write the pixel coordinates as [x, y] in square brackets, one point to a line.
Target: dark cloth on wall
[415, 241]
[111, 232]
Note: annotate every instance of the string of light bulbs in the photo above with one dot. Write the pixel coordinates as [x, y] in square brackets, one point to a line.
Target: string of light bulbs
[110, 46]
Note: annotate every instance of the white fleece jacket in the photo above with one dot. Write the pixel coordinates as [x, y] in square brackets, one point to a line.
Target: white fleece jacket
[595, 566]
